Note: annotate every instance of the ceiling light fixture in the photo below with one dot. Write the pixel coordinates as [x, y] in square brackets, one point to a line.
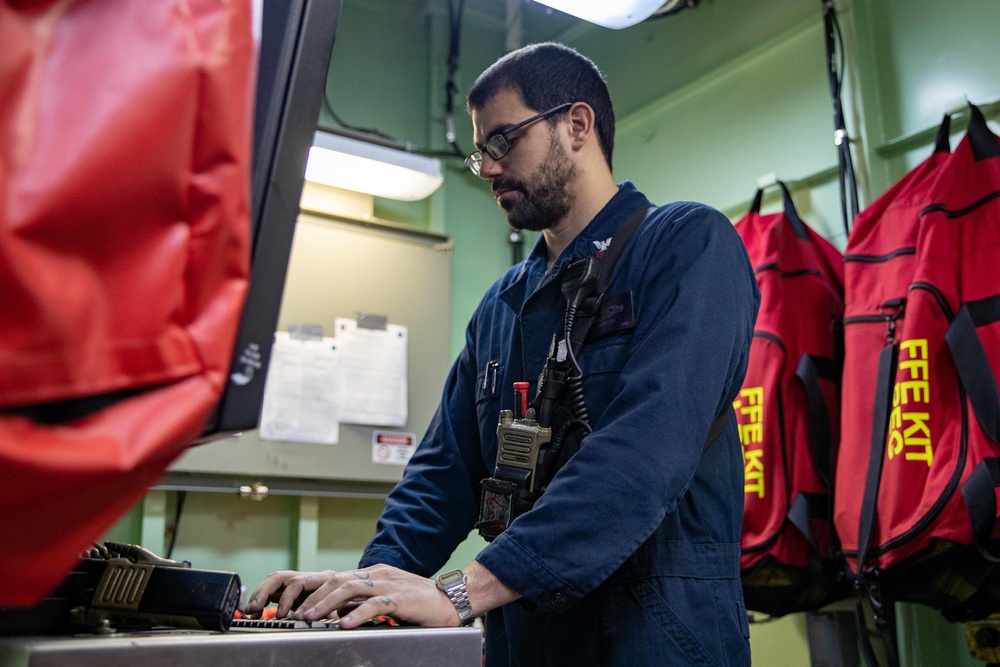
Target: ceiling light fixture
[617, 15]
[350, 164]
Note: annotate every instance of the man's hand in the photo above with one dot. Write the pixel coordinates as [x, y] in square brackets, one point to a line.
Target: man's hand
[355, 596]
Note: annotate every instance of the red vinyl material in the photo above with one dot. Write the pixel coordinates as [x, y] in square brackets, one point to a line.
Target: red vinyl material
[125, 146]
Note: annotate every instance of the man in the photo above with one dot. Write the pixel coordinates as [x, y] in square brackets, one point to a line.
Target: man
[631, 554]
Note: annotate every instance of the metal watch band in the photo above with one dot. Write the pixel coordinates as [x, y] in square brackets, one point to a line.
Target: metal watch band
[452, 584]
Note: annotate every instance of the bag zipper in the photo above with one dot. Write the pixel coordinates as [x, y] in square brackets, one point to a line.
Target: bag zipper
[872, 259]
[787, 274]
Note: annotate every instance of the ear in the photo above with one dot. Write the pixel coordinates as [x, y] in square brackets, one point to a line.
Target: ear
[581, 125]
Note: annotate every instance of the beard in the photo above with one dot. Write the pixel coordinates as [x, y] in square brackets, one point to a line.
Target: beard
[545, 198]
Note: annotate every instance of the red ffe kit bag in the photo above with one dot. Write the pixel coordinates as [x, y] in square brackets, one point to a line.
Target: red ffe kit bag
[788, 414]
[928, 515]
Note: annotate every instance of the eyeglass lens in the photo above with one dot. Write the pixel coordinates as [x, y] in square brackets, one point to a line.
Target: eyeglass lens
[497, 146]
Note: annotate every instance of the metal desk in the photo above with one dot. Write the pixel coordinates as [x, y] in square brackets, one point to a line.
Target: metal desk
[375, 647]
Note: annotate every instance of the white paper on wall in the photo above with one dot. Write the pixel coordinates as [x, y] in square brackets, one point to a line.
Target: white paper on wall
[373, 373]
[303, 391]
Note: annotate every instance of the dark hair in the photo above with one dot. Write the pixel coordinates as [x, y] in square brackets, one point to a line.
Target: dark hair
[547, 75]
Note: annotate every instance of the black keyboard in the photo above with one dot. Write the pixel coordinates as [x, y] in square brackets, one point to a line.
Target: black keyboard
[282, 624]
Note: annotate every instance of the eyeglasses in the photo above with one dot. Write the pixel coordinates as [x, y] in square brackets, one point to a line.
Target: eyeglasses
[498, 145]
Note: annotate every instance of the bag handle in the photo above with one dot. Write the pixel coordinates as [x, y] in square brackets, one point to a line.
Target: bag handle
[798, 227]
[942, 142]
[984, 143]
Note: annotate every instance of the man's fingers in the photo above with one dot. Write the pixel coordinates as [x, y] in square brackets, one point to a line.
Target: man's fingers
[267, 591]
[288, 588]
[334, 595]
[289, 597]
[298, 589]
[347, 608]
[356, 597]
[378, 605]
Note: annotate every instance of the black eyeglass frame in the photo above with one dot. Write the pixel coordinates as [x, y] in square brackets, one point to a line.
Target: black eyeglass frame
[497, 146]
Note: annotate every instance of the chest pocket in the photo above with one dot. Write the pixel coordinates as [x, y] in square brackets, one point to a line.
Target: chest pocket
[602, 363]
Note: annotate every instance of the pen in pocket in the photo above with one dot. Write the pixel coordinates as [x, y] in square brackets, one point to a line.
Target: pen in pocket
[490, 379]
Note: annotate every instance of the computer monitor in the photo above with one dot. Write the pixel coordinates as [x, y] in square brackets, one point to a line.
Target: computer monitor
[297, 39]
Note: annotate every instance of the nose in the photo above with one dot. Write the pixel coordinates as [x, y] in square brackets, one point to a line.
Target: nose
[490, 168]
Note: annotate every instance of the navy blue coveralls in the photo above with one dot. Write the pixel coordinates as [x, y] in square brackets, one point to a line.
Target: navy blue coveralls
[631, 557]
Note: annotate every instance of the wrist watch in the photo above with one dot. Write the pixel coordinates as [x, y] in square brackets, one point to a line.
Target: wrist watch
[452, 584]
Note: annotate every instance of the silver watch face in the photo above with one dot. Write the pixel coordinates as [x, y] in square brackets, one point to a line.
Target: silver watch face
[452, 584]
[449, 579]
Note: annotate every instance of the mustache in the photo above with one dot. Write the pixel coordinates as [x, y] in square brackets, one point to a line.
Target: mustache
[509, 184]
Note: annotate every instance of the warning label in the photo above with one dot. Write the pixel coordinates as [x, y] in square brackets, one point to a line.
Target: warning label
[392, 448]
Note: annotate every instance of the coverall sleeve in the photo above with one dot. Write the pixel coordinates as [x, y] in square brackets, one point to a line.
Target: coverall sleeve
[433, 509]
[697, 299]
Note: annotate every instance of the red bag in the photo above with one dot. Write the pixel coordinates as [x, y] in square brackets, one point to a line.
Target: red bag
[878, 268]
[934, 475]
[125, 135]
[788, 414]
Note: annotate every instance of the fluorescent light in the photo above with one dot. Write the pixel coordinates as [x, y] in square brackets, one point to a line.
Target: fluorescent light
[617, 14]
[376, 170]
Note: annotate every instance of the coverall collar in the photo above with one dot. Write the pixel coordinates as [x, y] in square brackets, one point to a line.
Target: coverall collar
[593, 240]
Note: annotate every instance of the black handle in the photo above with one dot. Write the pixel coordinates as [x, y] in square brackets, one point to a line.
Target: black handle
[942, 142]
[984, 143]
[798, 227]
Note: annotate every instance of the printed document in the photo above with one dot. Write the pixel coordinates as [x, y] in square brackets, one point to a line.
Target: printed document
[373, 373]
[302, 394]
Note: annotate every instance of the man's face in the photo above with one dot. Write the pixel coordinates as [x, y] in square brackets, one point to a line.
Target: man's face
[531, 182]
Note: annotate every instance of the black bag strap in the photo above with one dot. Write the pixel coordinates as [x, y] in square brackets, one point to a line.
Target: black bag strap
[618, 244]
[805, 508]
[717, 427]
[586, 318]
[981, 501]
[809, 371]
[972, 363]
[581, 315]
[588, 313]
[884, 611]
[876, 453]
[980, 386]
[867, 583]
[798, 227]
